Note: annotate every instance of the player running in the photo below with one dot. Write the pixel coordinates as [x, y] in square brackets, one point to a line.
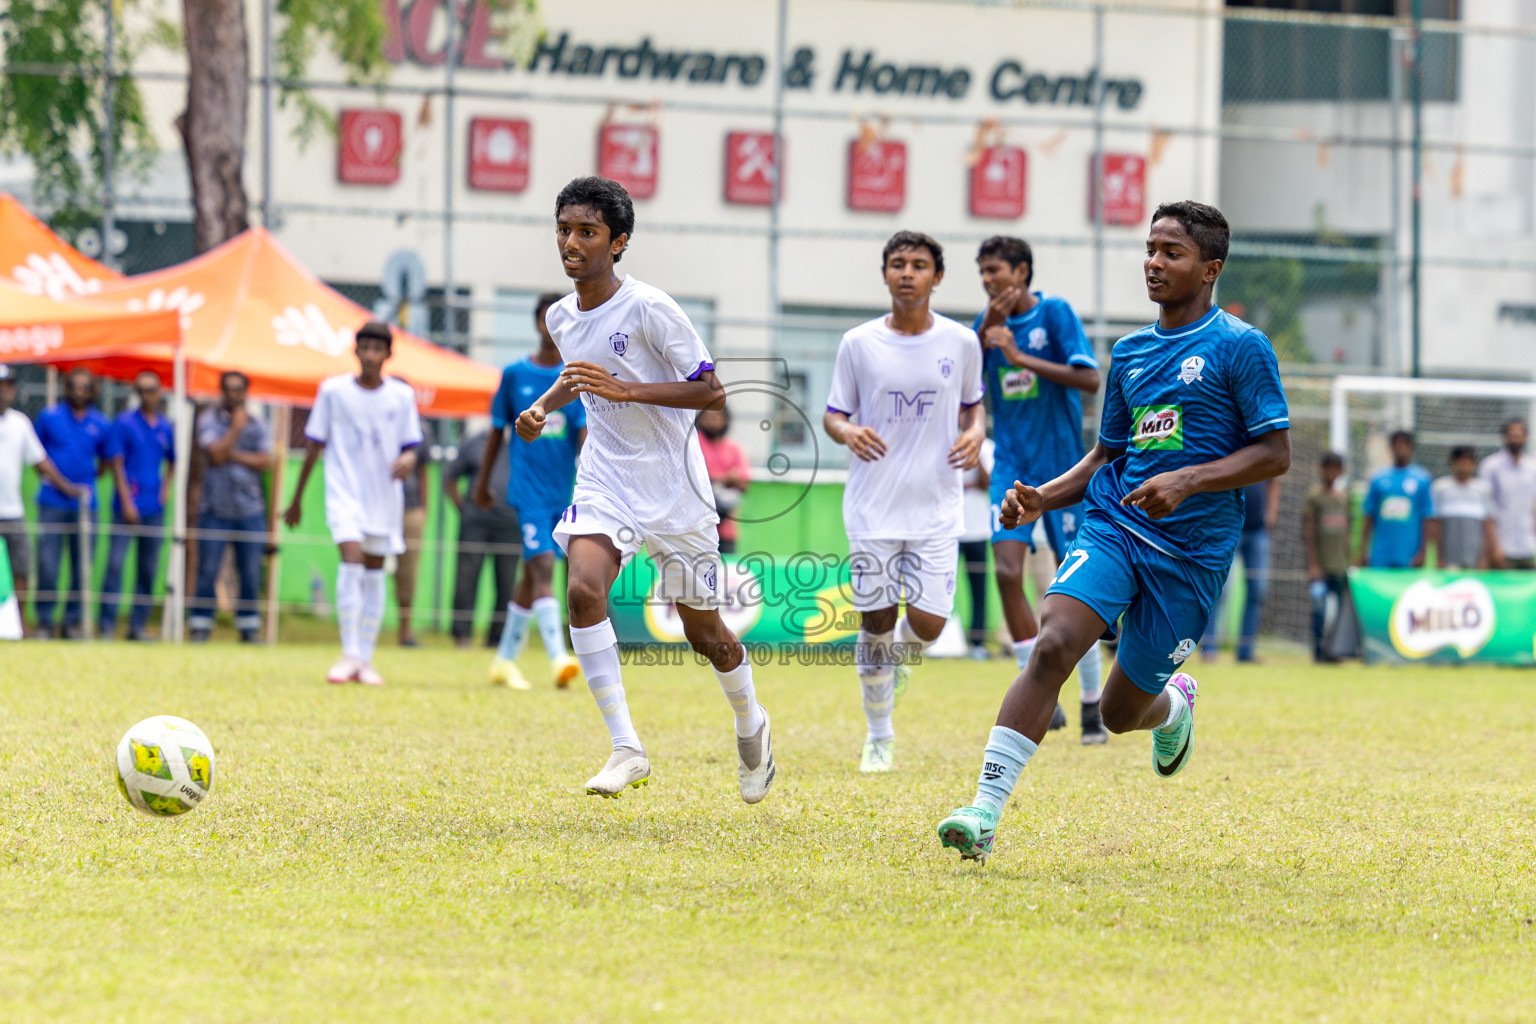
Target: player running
[368, 428]
[912, 380]
[1194, 412]
[639, 367]
[538, 489]
[1037, 361]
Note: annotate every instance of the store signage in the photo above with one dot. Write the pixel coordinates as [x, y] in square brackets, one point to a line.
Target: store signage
[997, 183]
[877, 175]
[499, 152]
[369, 150]
[627, 154]
[749, 168]
[1125, 189]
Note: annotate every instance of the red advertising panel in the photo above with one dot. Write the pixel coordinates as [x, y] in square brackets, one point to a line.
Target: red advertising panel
[1125, 189]
[877, 175]
[499, 151]
[369, 151]
[997, 183]
[749, 168]
[627, 154]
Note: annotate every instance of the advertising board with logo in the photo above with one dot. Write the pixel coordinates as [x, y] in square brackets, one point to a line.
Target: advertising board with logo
[627, 154]
[1410, 615]
[499, 153]
[750, 171]
[998, 183]
[1125, 189]
[369, 149]
[877, 175]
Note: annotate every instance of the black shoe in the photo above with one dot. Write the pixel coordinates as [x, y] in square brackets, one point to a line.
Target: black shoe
[1059, 719]
[134, 635]
[1094, 732]
[198, 636]
[248, 636]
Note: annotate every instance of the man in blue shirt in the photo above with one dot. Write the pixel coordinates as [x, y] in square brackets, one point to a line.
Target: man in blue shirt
[142, 443]
[1397, 508]
[1193, 413]
[78, 439]
[539, 489]
[1037, 362]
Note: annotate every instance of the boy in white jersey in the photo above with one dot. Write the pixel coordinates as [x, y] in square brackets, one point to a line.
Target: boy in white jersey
[912, 380]
[641, 371]
[368, 427]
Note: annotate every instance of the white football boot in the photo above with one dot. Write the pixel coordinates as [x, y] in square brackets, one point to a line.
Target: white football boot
[626, 767]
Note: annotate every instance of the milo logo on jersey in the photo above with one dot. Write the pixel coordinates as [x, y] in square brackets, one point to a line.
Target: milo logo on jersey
[554, 426]
[1019, 383]
[1159, 427]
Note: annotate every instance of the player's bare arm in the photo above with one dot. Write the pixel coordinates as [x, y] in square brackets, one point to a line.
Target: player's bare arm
[999, 308]
[530, 422]
[705, 392]
[1083, 378]
[1269, 456]
[861, 440]
[1024, 504]
[296, 507]
[404, 465]
[966, 451]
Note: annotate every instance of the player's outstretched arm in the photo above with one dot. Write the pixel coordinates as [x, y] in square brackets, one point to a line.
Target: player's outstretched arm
[296, 506]
[862, 441]
[1269, 456]
[1023, 504]
[704, 392]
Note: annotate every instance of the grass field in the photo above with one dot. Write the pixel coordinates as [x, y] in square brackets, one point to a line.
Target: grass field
[1348, 844]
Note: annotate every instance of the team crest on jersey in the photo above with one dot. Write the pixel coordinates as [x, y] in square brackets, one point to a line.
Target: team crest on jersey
[1185, 648]
[1037, 338]
[945, 366]
[620, 342]
[1190, 371]
[710, 577]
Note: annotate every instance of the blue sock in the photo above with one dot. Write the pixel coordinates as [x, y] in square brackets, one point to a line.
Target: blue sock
[515, 633]
[1007, 754]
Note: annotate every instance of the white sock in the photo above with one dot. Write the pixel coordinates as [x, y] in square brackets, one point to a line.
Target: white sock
[737, 684]
[1006, 755]
[1176, 707]
[547, 611]
[349, 605]
[871, 658]
[1021, 649]
[1089, 674]
[514, 632]
[371, 616]
[597, 648]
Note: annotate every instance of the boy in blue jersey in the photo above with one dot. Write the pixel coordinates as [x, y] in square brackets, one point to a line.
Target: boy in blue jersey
[539, 489]
[142, 443]
[1193, 412]
[1037, 361]
[1397, 509]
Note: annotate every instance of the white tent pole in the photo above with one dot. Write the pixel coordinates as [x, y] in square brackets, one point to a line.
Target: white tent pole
[176, 574]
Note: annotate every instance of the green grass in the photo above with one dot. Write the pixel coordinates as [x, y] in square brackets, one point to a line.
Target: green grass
[1347, 844]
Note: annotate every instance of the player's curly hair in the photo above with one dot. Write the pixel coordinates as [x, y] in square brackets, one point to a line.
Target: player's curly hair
[913, 240]
[1205, 224]
[1011, 250]
[608, 198]
[376, 330]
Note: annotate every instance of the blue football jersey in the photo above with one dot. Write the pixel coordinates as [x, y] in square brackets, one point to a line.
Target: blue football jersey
[543, 472]
[1182, 398]
[1399, 502]
[1038, 424]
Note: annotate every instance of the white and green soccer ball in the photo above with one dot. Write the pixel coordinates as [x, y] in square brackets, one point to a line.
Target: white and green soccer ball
[165, 766]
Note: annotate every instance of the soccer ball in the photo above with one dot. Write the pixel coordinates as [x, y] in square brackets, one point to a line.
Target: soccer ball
[165, 766]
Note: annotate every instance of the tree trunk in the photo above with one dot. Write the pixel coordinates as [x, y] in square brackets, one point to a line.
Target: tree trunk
[213, 125]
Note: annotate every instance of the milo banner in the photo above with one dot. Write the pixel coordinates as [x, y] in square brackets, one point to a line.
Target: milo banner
[797, 607]
[1422, 615]
[10, 611]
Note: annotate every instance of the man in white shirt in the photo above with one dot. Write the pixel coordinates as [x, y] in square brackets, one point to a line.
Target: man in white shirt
[19, 448]
[368, 427]
[906, 400]
[641, 372]
[1512, 478]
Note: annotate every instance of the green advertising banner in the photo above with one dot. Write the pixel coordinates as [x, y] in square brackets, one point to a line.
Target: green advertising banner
[10, 611]
[1423, 615]
[796, 604]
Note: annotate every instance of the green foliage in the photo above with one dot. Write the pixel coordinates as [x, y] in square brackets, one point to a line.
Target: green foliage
[1268, 293]
[53, 107]
[353, 30]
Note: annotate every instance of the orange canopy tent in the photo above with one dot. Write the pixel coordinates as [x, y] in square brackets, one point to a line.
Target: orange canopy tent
[39, 329]
[39, 261]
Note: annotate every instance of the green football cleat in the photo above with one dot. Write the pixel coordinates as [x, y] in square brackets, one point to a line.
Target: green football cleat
[900, 677]
[971, 831]
[1170, 750]
[879, 755]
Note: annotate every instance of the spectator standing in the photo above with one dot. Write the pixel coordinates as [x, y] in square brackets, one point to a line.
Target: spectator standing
[489, 532]
[1325, 526]
[143, 442]
[78, 438]
[412, 525]
[1464, 515]
[729, 473]
[233, 507]
[1261, 510]
[1512, 478]
[19, 448]
[977, 506]
[1398, 508]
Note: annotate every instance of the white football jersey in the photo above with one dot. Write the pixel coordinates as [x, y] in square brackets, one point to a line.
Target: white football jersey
[364, 432]
[910, 389]
[645, 457]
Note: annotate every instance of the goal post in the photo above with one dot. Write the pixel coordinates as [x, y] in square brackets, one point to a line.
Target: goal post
[1441, 413]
